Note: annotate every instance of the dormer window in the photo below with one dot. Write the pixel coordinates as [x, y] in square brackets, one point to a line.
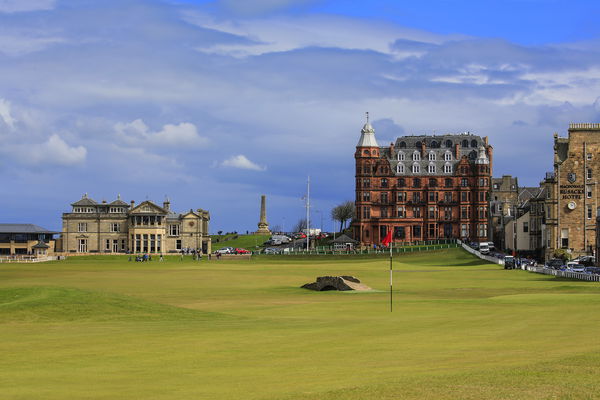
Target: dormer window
[448, 143]
[431, 168]
[465, 143]
[447, 168]
[400, 168]
[474, 143]
[447, 156]
[432, 156]
[416, 156]
[400, 156]
[416, 168]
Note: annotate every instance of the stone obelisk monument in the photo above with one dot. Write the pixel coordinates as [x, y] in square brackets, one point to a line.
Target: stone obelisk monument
[263, 225]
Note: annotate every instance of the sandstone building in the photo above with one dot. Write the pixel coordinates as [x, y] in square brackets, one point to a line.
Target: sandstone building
[422, 188]
[573, 196]
[119, 227]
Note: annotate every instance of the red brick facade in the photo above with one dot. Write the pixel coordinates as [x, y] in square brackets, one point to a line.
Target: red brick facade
[423, 188]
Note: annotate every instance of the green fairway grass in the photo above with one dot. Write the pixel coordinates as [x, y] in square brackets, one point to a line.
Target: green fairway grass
[106, 328]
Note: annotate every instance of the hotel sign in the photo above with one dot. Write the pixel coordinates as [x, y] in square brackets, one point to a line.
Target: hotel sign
[571, 191]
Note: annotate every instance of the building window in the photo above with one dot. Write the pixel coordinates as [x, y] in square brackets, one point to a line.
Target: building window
[564, 238]
[464, 182]
[447, 168]
[447, 156]
[82, 245]
[464, 230]
[416, 197]
[589, 212]
[402, 197]
[417, 183]
[366, 196]
[465, 143]
[589, 156]
[433, 197]
[401, 182]
[416, 212]
[416, 231]
[402, 145]
[367, 183]
[400, 168]
[416, 168]
[416, 156]
[384, 182]
[431, 168]
[122, 245]
[448, 182]
[431, 156]
[432, 182]
[115, 227]
[432, 212]
[82, 227]
[447, 197]
[496, 186]
[482, 230]
[464, 212]
[448, 143]
[588, 191]
[384, 198]
[401, 212]
[383, 212]
[525, 226]
[178, 244]
[366, 212]
[107, 245]
[400, 156]
[399, 232]
[174, 230]
[473, 143]
[464, 196]
[589, 173]
[431, 231]
[448, 213]
[382, 231]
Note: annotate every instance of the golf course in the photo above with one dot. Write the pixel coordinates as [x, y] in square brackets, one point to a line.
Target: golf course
[102, 327]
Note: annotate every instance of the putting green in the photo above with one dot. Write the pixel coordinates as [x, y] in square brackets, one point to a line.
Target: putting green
[105, 328]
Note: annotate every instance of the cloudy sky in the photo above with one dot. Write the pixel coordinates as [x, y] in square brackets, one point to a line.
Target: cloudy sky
[214, 103]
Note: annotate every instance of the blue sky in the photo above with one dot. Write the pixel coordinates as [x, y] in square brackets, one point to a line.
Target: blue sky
[214, 103]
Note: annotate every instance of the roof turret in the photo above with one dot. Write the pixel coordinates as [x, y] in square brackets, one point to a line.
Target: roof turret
[482, 158]
[367, 135]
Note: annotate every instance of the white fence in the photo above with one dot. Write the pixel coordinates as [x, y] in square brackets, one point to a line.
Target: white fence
[28, 259]
[482, 256]
[564, 274]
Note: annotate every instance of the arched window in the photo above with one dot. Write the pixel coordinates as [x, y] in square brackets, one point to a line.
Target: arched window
[418, 145]
[416, 168]
[401, 182]
[431, 156]
[367, 152]
[432, 182]
[473, 155]
[447, 156]
[474, 143]
[400, 168]
[402, 145]
[400, 156]
[465, 143]
[416, 156]
[431, 168]
[447, 168]
[448, 143]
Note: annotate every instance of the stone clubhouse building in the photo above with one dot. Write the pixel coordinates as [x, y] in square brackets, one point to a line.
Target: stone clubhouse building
[422, 188]
[120, 227]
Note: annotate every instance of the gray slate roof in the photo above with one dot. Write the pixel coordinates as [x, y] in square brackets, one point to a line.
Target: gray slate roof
[23, 228]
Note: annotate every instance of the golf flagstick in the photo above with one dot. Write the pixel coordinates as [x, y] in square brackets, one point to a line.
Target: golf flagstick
[387, 241]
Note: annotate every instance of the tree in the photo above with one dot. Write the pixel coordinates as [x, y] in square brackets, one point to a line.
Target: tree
[300, 225]
[343, 212]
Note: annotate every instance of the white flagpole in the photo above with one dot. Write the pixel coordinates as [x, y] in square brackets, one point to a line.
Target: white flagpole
[391, 244]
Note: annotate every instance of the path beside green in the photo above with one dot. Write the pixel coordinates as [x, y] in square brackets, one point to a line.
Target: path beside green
[106, 328]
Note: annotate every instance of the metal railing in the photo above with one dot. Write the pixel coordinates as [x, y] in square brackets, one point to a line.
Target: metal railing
[564, 274]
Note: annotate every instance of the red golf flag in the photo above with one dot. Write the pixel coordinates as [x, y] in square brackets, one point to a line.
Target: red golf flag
[387, 239]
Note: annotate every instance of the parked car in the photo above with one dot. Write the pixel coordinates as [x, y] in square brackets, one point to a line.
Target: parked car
[575, 267]
[509, 262]
[555, 263]
[272, 250]
[238, 250]
[225, 250]
[484, 248]
[592, 270]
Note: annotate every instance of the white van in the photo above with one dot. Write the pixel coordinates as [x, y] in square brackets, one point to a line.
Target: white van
[484, 248]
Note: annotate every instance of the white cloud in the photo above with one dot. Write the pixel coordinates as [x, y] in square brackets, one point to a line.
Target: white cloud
[240, 161]
[12, 6]
[55, 151]
[5, 113]
[256, 7]
[179, 135]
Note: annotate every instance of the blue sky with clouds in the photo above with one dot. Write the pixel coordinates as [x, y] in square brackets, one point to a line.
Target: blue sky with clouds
[214, 103]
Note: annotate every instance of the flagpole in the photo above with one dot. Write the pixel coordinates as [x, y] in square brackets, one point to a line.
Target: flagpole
[391, 244]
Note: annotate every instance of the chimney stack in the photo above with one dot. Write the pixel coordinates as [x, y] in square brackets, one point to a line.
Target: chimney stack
[132, 204]
[167, 204]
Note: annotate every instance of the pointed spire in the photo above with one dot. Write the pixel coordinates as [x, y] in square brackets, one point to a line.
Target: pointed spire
[367, 137]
